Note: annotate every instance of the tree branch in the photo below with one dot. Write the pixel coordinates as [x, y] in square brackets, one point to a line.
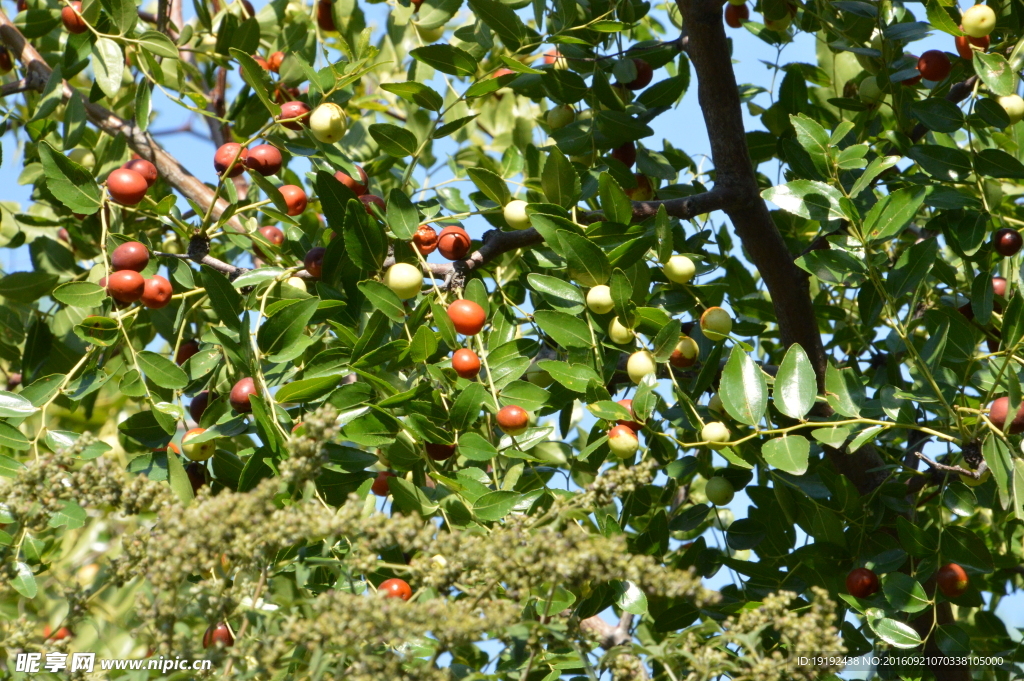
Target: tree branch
[736, 182]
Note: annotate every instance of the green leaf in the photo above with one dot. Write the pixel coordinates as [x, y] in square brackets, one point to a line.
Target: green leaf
[501, 19]
[162, 371]
[665, 92]
[178, 478]
[587, 263]
[402, 216]
[25, 287]
[393, 140]
[614, 201]
[409, 497]
[814, 140]
[224, 299]
[558, 293]
[795, 386]
[997, 163]
[960, 499]
[257, 78]
[446, 59]
[474, 447]
[491, 185]
[744, 388]
[995, 72]
[630, 598]
[874, 169]
[284, 327]
[72, 184]
[788, 453]
[466, 408]
[158, 44]
[808, 199]
[143, 110]
[417, 93]
[895, 633]
[307, 389]
[559, 180]
[666, 341]
[24, 581]
[423, 344]
[365, 241]
[889, 216]
[13, 438]
[963, 546]
[844, 391]
[108, 66]
[575, 377]
[942, 163]
[384, 299]
[938, 114]
[15, 406]
[940, 18]
[567, 330]
[495, 505]
[80, 294]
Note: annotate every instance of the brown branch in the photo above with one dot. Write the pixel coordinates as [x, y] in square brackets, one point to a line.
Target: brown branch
[37, 72]
[15, 87]
[736, 182]
[609, 635]
[975, 473]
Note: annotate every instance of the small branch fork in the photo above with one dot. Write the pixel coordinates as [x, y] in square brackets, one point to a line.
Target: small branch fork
[935, 465]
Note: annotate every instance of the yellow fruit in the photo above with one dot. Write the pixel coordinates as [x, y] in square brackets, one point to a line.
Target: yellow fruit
[640, 364]
[618, 333]
[599, 299]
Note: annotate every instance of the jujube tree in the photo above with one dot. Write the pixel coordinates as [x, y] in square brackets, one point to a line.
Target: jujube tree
[456, 372]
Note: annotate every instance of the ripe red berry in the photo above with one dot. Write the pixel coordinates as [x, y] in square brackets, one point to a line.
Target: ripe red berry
[395, 588]
[294, 110]
[239, 397]
[274, 61]
[250, 11]
[861, 582]
[144, 168]
[467, 316]
[157, 292]
[272, 234]
[130, 255]
[425, 239]
[454, 242]
[380, 484]
[198, 406]
[998, 411]
[644, 75]
[513, 419]
[999, 286]
[358, 187]
[72, 18]
[126, 186]
[295, 198]
[218, 633]
[59, 635]
[439, 452]
[735, 15]
[1007, 242]
[372, 200]
[186, 350]
[625, 154]
[230, 155]
[126, 286]
[324, 17]
[952, 580]
[934, 65]
[963, 45]
[466, 363]
[6, 62]
[265, 159]
[634, 425]
[314, 261]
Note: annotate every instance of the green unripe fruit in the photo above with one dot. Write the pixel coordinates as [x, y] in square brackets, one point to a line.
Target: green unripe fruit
[599, 299]
[715, 433]
[404, 279]
[679, 269]
[515, 215]
[719, 491]
[640, 364]
[328, 123]
[618, 333]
